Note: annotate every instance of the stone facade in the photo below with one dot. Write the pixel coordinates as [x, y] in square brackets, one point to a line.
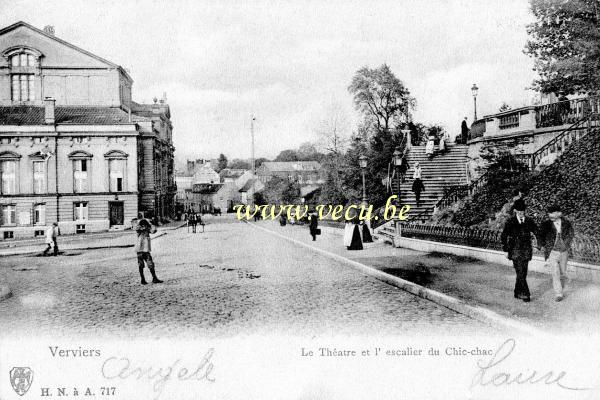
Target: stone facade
[74, 147]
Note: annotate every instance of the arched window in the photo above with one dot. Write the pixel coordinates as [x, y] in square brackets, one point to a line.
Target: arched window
[24, 66]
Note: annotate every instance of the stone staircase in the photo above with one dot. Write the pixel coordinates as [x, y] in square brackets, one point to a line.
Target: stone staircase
[441, 172]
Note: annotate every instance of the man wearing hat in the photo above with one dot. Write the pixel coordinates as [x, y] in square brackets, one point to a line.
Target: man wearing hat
[555, 236]
[516, 242]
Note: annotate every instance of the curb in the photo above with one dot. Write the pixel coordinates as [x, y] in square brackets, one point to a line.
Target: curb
[478, 313]
[116, 246]
[5, 292]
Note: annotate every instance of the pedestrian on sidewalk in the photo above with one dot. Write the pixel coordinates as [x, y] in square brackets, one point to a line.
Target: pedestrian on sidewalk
[356, 241]
[555, 237]
[143, 248]
[313, 225]
[516, 242]
[52, 233]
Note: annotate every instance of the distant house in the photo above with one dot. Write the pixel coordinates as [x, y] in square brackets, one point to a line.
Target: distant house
[303, 172]
[205, 174]
[252, 185]
[231, 174]
[212, 195]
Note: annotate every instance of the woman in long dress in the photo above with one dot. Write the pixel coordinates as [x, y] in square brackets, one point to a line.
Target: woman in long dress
[348, 229]
[429, 147]
[356, 242]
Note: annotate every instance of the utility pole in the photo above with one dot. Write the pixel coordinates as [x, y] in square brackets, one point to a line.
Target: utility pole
[252, 134]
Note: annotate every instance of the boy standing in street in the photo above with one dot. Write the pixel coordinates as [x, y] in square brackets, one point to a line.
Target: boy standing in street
[143, 248]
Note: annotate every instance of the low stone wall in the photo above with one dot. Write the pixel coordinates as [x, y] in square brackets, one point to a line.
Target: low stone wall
[576, 270]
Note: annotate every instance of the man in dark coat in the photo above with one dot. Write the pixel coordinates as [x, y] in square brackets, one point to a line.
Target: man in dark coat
[516, 242]
[313, 225]
[464, 131]
[555, 237]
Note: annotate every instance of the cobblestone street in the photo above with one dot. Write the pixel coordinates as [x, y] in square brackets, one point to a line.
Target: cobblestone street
[231, 280]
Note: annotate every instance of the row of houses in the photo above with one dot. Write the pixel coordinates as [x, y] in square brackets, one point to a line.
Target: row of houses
[202, 189]
[74, 147]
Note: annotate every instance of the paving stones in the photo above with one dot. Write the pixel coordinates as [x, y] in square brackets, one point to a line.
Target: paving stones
[232, 280]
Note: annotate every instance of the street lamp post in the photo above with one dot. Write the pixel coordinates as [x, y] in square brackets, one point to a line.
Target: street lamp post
[397, 160]
[362, 162]
[474, 89]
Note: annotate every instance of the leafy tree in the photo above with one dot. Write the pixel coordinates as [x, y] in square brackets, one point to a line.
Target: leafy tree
[281, 191]
[259, 161]
[239, 164]
[221, 162]
[287, 155]
[381, 97]
[308, 152]
[504, 107]
[565, 44]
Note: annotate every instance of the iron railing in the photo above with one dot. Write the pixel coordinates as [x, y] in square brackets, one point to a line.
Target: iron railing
[584, 248]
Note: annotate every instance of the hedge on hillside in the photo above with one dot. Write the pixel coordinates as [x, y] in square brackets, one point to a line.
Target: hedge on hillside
[573, 181]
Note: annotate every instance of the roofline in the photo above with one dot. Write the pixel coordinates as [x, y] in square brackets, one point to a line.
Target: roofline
[22, 23]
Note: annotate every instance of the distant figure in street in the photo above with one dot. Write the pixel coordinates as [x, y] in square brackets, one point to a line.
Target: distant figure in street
[193, 221]
[348, 230]
[313, 225]
[516, 242]
[464, 131]
[555, 237]
[143, 248]
[282, 220]
[417, 188]
[51, 238]
[356, 241]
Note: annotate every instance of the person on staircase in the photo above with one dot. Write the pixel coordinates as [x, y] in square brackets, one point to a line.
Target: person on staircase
[417, 186]
[464, 132]
[429, 147]
[442, 145]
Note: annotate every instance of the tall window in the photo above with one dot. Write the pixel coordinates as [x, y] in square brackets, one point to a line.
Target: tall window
[8, 176]
[23, 82]
[80, 211]
[80, 175]
[9, 214]
[116, 171]
[39, 177]
[39, 214]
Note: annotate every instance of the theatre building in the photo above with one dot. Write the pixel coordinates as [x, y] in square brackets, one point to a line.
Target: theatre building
[74, 147]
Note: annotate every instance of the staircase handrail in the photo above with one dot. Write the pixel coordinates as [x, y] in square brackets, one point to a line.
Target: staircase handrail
[537, 154]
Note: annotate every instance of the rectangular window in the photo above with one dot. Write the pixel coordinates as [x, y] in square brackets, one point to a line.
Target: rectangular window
[9, 235]
[9, 215]
[39, 214]
[116, 171]
[80, 211]
[8, 177]
[23, 87]
[80, 176]
[39, 177]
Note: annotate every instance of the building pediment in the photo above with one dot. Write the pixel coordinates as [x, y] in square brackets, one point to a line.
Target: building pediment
[56, 52]
[78, 154]
[9, 155]
[116, 154]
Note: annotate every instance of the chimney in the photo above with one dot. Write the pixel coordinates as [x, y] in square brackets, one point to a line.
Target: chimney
[49, 29]
[49, 105]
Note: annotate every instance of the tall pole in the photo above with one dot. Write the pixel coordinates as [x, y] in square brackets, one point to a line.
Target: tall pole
[474, 108]
[252, 134]
[364, 196]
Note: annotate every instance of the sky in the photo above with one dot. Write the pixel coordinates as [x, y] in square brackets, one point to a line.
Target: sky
[289, 63]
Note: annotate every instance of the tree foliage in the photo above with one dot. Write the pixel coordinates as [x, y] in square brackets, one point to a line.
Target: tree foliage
[565, 44]
[381, 97]
[221, 162]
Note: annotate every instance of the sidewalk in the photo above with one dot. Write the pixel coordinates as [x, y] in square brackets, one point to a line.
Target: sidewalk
[478, 284]
[89, 241]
